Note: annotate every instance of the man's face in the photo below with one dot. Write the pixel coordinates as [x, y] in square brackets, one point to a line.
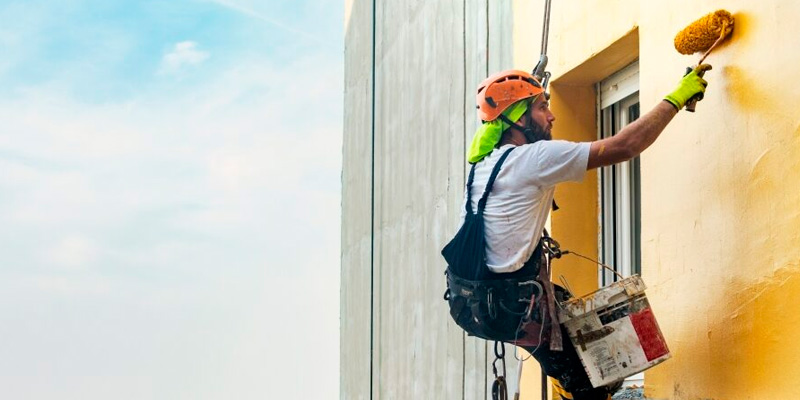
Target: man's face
[540, 116]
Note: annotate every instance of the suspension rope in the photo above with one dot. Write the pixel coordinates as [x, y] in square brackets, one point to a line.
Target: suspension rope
[546, 26]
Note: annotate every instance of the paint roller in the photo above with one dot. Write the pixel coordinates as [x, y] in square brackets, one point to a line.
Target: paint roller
[703, 35]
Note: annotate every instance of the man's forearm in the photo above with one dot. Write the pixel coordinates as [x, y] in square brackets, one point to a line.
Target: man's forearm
[640, 134]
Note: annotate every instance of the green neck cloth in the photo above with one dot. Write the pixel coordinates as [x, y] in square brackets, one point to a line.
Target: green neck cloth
[489, 133]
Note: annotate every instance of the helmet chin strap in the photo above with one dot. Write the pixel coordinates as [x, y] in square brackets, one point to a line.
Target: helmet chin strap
[529, 134]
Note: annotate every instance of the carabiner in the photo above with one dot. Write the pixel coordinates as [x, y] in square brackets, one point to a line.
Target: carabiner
[501, 351]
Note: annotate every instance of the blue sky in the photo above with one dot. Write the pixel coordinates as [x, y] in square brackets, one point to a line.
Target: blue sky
[169, 199]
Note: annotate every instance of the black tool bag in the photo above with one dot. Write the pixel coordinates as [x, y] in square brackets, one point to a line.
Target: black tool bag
[485, 304]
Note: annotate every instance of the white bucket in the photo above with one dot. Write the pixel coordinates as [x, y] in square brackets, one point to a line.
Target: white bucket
[614, 331]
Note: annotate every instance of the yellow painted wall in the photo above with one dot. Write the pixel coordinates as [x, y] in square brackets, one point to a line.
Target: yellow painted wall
[720, 188]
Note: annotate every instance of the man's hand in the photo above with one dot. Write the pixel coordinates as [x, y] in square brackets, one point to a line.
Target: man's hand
[692, 84]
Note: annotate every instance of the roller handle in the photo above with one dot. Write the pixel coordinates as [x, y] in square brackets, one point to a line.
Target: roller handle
[691, 104]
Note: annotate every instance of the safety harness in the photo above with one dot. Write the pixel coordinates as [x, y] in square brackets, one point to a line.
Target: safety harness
[517, 307]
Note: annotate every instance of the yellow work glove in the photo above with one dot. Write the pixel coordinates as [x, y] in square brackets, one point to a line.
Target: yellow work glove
[692, 85]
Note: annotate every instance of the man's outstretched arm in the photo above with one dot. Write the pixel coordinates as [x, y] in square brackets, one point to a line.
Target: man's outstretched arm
[640, 134]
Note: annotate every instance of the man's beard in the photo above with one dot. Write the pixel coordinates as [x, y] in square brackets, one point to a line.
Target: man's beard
[535, 133]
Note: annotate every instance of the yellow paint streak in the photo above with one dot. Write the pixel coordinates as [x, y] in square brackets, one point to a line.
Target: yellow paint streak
[736, 344]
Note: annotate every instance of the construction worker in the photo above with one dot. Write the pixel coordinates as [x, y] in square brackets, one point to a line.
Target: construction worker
[515, 167]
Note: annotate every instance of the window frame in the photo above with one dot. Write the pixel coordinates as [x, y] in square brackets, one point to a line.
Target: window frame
[619, 186]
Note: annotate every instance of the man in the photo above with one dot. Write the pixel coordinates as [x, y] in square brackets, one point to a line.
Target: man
[511, 193]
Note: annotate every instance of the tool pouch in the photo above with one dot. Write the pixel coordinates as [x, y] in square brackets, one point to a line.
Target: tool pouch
[508, 310]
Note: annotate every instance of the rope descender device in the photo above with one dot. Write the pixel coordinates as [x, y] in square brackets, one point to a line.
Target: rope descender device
[539, 71]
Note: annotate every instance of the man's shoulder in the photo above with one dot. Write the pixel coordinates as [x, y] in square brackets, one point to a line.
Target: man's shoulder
[554, 161]
[550, 146]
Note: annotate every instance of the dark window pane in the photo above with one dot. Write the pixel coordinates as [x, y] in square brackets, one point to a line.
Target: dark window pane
[633, 112]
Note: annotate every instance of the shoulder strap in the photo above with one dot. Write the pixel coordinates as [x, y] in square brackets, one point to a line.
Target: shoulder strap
[490, 183]
[468, 203]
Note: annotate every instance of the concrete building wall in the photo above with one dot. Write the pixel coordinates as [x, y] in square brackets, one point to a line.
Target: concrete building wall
[720, 188]
[356, 298]
[408, 116]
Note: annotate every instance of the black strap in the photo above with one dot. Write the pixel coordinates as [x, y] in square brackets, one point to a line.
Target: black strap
[527, 131]
[468, 203]
[490, 183]
[512, 124]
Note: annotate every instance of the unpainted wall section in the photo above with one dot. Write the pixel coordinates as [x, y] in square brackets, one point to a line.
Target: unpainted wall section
[355, 321]
[720, 198]
[487, 47]
[398, 341]
[418, 137]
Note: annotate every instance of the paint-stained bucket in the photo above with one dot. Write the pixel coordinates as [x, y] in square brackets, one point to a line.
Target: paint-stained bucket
[614, 331]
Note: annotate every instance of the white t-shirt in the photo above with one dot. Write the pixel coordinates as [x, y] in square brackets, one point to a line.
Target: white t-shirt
[522, 195]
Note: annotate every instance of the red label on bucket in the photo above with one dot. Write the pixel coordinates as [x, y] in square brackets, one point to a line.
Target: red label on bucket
[653, 344]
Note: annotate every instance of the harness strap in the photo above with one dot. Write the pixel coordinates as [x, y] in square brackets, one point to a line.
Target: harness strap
[492, 177]
[556, 343]
[468, 203]
[513, 124]
[489, 184]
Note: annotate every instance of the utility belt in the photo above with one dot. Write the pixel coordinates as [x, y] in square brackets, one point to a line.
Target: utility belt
[517, 307]
[509, 295]
[508, 310]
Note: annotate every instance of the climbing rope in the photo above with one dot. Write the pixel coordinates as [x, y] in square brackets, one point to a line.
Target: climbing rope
[546, 26]
[539, 70]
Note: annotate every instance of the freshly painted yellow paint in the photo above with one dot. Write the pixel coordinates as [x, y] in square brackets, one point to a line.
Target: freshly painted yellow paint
[720, 188]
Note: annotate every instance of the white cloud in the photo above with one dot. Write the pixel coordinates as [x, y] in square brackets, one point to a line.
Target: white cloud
[182, 54]
[69, 287]
[73, 251]
[197, 212]
[249, 10]
[226, 158]
[154, 230]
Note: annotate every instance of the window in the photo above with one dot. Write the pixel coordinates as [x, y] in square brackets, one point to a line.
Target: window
[620, 186]
[620, 193]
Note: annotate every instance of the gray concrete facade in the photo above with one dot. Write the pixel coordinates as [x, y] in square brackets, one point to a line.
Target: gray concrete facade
[411, 68]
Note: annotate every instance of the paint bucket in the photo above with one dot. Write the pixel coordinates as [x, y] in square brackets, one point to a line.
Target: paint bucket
[614, 331]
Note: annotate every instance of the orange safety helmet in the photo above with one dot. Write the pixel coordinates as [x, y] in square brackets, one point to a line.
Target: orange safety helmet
[499, 91]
